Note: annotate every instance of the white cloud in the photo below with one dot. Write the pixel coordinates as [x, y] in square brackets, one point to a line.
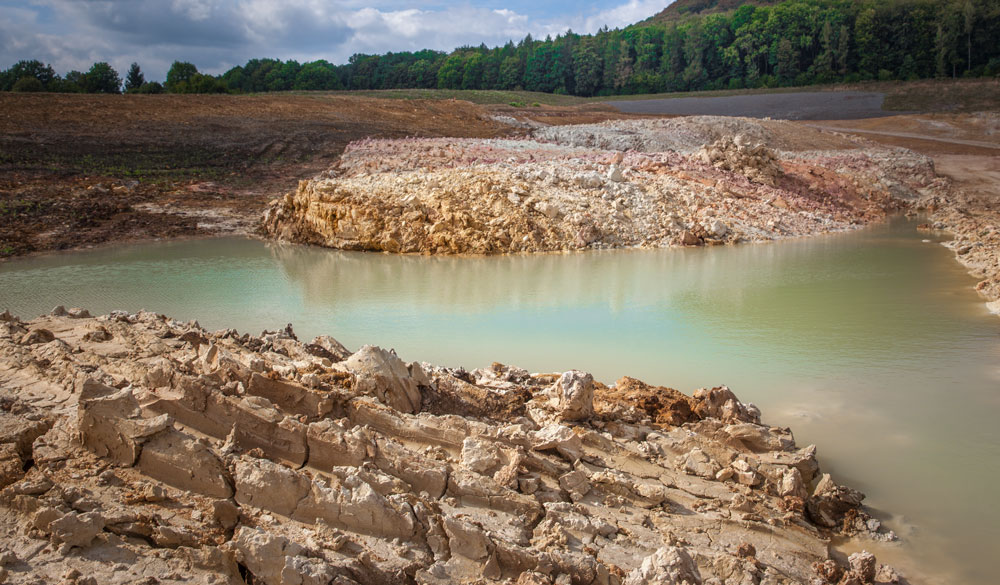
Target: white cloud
[512, 17]
[375, 31]
[623, 15]
[196, 10]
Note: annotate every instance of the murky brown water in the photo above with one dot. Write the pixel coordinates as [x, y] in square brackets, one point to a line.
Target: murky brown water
[872, 345]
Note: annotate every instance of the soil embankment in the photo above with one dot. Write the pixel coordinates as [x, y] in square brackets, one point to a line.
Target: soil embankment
[83, 170]
[135, 447]
[625, 183]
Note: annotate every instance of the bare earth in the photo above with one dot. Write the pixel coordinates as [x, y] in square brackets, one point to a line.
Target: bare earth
[137, 449]
[83, 170]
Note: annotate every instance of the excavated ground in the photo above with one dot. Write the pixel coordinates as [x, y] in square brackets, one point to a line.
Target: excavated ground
[624, 183]
[83, 170]
[138, 449]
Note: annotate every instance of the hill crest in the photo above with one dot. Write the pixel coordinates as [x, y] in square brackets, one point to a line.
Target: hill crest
[682, 8]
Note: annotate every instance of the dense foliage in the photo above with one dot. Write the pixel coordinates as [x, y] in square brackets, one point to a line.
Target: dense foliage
[34, 75]
[134, 79]
[794, 42]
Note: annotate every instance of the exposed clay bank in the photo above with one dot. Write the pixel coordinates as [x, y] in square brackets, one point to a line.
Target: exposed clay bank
[871, 344]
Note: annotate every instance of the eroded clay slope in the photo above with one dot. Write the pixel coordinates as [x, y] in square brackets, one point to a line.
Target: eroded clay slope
[138, 449]
[687, 181]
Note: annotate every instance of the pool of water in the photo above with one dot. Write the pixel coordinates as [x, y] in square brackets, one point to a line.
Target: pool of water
[871, 344]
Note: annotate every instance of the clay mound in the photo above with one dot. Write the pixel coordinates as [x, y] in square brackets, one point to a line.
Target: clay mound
[470, 196]
[631, 399]
[687, 134]
[136, 447]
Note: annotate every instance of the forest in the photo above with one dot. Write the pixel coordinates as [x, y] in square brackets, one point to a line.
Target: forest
[791, 43]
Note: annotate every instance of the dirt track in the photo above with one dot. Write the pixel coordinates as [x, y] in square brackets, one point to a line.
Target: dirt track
[965, 148]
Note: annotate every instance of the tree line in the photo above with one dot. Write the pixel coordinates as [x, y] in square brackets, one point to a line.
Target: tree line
[35, 76]
[792, 43]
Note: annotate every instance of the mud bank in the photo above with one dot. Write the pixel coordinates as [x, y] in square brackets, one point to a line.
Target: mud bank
[964, 149]
[976, 246]
[627, 183]
[135, 448]
[970, 209]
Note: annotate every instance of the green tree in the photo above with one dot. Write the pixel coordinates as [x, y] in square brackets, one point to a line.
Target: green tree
[695, 74]
[908, 70]
[843, 50]
[472, 75]
[134, 78]
[649, 47]
[150, 87]
[491, 70]
[718, 36]
[282, 76]
[946, 42]
[510, 73]
[824, 63]
[201, 83]
[587, 68]
[178, 76]
[969, 21]
[622, 69]
[544, 70]
[672, 64]
[451, 72]
[867, 41]
[33, 68]
[28, 85]
[787, 66]
[317, 75]
[102, 78]
[423, 74]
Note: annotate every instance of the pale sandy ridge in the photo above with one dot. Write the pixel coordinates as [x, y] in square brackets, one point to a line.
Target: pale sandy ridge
[618, 184]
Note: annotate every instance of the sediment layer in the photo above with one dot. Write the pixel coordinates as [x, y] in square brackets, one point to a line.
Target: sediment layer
[138, 449]
[649, 183]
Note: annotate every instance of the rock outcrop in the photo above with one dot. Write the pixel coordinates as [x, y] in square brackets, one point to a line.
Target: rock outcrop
[649, 183]
[161, 452]
[756, 162]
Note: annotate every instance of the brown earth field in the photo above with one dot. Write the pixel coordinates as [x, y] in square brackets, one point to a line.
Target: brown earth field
[78, 171]
[83, 170]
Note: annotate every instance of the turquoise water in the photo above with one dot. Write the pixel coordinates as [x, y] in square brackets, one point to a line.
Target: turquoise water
[871, 344]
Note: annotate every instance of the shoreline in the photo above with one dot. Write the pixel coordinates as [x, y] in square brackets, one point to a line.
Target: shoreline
[257, 237]
[441, 474]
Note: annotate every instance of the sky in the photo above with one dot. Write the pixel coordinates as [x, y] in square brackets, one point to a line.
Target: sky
[218, 34]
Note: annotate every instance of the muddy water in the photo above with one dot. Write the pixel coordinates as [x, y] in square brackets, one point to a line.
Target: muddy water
[872, 345]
